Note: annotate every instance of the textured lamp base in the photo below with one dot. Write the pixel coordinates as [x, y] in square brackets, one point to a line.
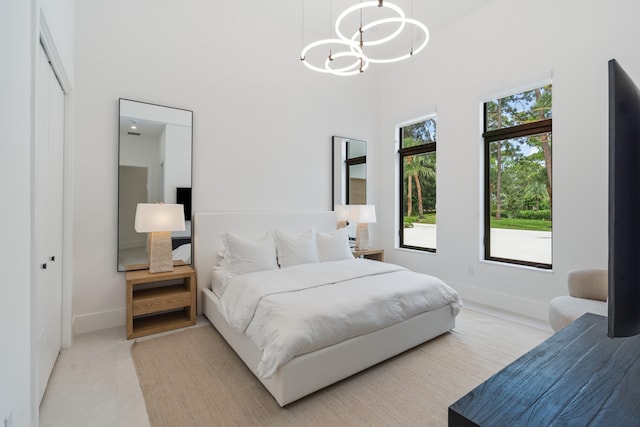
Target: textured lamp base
[159, 250]
[362, 236]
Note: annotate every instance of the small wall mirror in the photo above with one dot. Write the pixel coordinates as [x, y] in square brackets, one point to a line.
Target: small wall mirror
[349, 171]
[154, 165]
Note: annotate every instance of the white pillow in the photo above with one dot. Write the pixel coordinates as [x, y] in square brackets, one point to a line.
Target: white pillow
[247, 256]
[294, 250]
[334, 246]
[183, 253]
[219, 280]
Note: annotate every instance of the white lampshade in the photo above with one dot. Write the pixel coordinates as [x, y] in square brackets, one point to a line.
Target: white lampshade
[362, 214]
[151, 217]
[342, 212]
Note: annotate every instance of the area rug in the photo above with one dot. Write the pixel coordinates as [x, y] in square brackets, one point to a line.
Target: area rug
[193, 378]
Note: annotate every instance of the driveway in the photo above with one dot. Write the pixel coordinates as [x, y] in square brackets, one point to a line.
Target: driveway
[534, 246]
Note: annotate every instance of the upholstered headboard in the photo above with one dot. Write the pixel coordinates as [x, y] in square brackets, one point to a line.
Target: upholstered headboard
[207, 227]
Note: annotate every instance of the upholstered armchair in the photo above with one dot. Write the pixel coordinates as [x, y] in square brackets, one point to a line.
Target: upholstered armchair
[588, 291]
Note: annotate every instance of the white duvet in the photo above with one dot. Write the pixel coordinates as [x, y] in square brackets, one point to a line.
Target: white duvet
[299, 309]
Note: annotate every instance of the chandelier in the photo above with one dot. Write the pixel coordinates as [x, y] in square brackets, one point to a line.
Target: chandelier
[355, 43]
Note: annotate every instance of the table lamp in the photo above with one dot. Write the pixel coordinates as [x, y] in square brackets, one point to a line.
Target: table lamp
[362, 215]
[159, 220]
[342, 215]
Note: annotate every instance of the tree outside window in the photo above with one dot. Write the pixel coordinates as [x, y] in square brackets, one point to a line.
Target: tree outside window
[518, 178]
[417, 156]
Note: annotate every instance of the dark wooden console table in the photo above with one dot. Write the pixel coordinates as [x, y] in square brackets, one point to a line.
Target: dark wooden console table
[576, 377]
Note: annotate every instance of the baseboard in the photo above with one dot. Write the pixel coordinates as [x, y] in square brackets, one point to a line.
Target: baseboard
[522, 306]
[96, 321]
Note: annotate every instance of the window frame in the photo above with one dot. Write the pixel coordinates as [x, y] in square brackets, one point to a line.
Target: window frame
[489, 136]
[429, 147]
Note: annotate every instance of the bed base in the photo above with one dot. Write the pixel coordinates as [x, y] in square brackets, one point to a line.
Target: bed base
[313, 371]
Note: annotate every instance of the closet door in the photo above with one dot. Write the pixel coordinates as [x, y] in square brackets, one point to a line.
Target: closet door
[48, 219]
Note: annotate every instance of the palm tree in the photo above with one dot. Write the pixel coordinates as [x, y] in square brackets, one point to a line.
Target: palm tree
[415, 167]
[412, 170]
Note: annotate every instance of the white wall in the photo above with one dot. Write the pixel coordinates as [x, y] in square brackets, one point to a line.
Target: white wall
[177, 160]
[500, 47]
[143, 151]
[19, 29]
[262, 121]
[15, 226]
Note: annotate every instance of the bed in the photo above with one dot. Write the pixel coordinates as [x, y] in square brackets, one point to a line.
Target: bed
[312, 370]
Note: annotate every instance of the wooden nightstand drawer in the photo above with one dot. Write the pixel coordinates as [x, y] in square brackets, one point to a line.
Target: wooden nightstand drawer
[161, 299]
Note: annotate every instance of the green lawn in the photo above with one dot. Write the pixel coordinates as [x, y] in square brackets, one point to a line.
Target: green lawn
[513, 224]
[521, 224]
[427, 219]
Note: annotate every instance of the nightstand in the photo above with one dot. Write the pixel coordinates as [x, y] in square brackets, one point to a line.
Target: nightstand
[168, 305]
[374, 254]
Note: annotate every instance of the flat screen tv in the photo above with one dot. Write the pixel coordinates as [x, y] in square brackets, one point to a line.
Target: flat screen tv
[183, 197]
[624, 204]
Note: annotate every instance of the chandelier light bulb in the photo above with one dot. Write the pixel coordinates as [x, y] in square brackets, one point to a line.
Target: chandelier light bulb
[355, 50]
[401, 57]
[401, 18]
[361, 64]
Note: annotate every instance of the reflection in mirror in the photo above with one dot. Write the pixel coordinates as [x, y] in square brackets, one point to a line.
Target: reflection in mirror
[154, 166]
[349, 172]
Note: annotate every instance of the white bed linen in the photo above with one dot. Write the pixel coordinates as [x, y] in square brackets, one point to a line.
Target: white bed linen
[312, 371]
[296, 310]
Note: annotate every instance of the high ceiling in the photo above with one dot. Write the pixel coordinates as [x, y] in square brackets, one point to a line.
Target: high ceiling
[434, 13]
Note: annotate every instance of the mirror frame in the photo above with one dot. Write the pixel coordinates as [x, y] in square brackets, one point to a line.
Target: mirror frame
[154, 115]
[340, 169]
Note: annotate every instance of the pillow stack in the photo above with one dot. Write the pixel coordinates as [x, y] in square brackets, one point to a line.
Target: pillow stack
[277, 249]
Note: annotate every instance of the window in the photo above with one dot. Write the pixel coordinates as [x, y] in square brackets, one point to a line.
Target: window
[417, 156]
[518, 184]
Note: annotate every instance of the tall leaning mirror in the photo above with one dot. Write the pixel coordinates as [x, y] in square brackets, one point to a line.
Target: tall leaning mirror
[154, 165]
[349, 171]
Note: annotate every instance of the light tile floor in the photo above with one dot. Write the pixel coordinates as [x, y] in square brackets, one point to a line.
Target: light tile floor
[94, 382]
